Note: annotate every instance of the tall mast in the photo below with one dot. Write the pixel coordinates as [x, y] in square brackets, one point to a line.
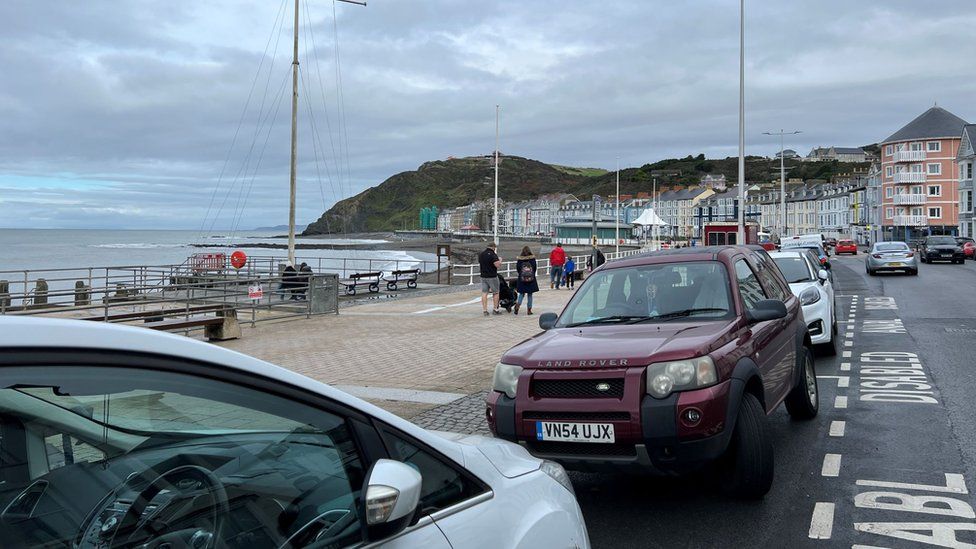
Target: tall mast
[294, 146]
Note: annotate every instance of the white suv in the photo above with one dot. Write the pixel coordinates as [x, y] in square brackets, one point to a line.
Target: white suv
[811, 283]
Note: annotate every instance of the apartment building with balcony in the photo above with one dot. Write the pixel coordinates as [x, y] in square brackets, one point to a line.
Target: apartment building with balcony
[920, 176]
[966, 158]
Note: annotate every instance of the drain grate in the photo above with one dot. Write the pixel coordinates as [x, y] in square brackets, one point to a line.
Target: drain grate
[961, 330]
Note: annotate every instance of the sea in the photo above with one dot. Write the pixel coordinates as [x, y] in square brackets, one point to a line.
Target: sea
[37, 249]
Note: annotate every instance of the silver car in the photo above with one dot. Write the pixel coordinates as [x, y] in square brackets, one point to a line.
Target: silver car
[891, 256]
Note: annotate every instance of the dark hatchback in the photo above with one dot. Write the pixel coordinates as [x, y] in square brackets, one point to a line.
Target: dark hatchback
[940, 248]
[663, 363]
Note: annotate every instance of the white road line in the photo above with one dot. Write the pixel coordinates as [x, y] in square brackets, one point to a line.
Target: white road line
[848, 343]
[831, 466]
[822, 522]
[837, 428]
[403, 395]
[847, 354]
[475, 300]
[840, 402]
[844, 381]
[845, 366]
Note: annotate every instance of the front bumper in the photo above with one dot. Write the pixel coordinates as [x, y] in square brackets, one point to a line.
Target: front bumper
[944, 256]
[819, 321]
[651, 436]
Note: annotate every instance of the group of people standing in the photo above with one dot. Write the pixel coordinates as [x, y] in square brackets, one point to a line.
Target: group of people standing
[510, 295]
[294, 282]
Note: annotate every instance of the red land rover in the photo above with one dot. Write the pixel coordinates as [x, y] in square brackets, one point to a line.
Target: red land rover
[663, 362]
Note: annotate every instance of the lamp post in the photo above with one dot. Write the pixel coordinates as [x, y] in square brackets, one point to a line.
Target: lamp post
[497, 109]
[782, 179]
[742, 123]
[617, 220]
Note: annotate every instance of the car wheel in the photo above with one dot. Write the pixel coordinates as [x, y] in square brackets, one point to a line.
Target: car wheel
[803, 402]
[747, 467]
[830, 348]
[870, 272]
[914, 272]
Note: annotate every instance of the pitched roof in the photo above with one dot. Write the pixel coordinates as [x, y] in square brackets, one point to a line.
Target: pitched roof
[935, 122]
[848, 150]
[969, 133]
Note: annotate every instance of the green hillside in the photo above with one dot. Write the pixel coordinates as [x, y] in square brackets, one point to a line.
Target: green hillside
[396, 202]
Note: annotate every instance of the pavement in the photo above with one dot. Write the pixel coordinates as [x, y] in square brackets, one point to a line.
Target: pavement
[888, 462]
[408, 355]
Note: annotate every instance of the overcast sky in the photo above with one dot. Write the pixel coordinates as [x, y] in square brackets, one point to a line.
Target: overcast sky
[168, 114]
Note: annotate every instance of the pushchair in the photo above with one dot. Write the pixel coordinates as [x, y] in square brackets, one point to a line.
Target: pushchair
[507, 293]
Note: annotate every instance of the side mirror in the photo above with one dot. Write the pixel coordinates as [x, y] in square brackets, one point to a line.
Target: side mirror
[823, 276]
[392, 495]
[767, 309]
[547, 320]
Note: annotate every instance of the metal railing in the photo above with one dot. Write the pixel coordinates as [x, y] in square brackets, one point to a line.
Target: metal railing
[146, 293]
[909, 177]
[910, 220]
[507, 269]
[909, 156]
[909, 199]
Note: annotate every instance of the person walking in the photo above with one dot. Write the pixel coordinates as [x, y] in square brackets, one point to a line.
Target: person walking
[527, 284]
[570, 268]
[304, 280]
[489, 262]
[600, 260]
[557, 259]
[288, 278]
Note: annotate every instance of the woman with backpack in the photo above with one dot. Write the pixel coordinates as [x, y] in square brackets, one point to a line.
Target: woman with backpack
[526, 267]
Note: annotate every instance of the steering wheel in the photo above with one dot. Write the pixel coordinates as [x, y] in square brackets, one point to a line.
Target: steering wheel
[133, 531]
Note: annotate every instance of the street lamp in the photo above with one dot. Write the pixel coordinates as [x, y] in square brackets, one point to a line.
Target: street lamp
[617, 220]
[742, 122]
[497, 109]
[782, 179]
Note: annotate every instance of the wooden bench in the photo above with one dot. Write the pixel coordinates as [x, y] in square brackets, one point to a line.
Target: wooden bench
[407, 275]
[370, 280]
[219, 327]
[154, 314]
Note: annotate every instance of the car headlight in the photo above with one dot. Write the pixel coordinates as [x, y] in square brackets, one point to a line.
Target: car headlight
[505, 379]
[558, 474]
[665, 378]
[809, 296]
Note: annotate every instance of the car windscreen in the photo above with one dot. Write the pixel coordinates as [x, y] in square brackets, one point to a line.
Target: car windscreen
[941, 241]
[652, 293]
[845, 242]
[891, 247]
[794, 268]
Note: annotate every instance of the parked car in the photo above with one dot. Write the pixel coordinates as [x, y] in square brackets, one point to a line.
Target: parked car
[822, 256]
[811, 283]
[125, 437]
[663, 363]
[940, 248]
[968, 246]
[845, 247]
[891, 256]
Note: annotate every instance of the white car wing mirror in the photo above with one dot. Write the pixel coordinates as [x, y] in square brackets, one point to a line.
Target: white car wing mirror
[392, 497]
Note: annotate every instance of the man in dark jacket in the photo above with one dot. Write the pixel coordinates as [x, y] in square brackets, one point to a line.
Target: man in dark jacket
[600, 259]
[489, 262]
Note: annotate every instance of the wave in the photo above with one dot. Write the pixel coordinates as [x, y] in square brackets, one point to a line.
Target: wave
[136, 245]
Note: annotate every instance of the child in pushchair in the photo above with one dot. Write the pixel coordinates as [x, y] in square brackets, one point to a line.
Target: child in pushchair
[507, 293]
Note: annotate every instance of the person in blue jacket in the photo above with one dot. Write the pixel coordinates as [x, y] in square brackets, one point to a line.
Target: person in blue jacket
[570, 269]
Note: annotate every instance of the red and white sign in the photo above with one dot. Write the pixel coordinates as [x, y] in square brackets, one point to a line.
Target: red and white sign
[255, 292]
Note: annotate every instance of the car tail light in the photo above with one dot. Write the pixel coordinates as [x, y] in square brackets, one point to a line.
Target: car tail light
[910, 254]
[877, 256]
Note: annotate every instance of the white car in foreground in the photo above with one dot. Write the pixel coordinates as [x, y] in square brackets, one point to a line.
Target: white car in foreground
[123, 437]
[811, 283]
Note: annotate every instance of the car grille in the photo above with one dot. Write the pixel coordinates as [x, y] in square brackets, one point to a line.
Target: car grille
[576, 416]
[577, 388]
[582, 449]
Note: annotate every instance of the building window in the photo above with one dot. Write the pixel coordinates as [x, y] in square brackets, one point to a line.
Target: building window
[917, 211]
[889, 192]
[916, 189]
[889, 150]
[934, 169]
[935, 213]
[917, 146]
[889, 213]
[935, 190]
[889, 171]
[934, 146]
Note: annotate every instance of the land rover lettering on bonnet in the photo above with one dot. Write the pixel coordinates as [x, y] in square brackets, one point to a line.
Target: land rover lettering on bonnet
[663, 363]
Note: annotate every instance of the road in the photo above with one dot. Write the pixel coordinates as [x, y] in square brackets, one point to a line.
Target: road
[889, 462]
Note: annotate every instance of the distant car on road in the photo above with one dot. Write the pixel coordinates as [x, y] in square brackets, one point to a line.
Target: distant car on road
[811, 283]
[968, 246]
[940, 248]
[119, 436]
[845, 246]
[830, 242]
[891, 256]
[663, 363]
[822, 256]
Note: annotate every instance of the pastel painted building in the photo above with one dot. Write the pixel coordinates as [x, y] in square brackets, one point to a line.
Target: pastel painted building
[920, 176]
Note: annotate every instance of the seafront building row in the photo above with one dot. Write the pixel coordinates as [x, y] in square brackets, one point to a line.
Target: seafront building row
[920, 182]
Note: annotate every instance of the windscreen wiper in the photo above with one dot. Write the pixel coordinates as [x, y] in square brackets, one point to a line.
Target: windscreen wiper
[686, 312]
[603, 319]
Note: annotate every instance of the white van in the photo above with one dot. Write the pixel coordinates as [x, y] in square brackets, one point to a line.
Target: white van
[800, 240]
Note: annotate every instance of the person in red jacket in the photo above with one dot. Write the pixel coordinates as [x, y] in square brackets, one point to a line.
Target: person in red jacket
[557, 258]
